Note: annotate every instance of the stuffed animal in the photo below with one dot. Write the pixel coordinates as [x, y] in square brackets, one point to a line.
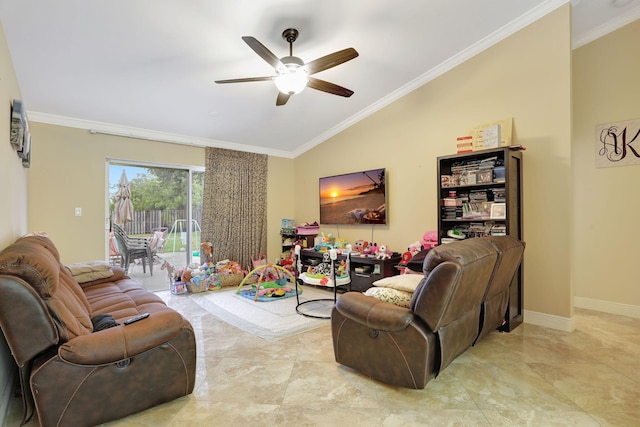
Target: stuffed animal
[414, 248]
[383, 252]
[206, 252]
[360, 246]
[374, 248]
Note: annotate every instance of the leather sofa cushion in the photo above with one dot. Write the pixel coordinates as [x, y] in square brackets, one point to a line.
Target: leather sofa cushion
[34, 259]
[32, 263]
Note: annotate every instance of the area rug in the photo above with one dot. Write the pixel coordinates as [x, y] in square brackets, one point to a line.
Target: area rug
[271, 321]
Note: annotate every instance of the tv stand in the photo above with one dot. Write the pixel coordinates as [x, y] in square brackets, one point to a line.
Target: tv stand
[364, 270]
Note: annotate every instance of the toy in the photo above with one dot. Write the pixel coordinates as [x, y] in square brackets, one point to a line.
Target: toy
[286, 260]
[343, 269]
[340, 243]
[375, 249]
[430, 239]
[270, 282]
[383, 252]
[360, 246]
[206, 252]
[406, 257]
[414, 248]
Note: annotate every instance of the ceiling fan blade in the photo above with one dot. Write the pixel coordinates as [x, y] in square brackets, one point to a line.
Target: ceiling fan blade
[264, 53]
[328, 87]
[246, 79]
[331, 60]
[282, 98]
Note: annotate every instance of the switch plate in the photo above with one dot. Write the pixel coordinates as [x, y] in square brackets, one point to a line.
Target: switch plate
[78, 211]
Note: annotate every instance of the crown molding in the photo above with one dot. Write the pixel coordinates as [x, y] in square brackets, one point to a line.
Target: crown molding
[606, 28]
[101, 128]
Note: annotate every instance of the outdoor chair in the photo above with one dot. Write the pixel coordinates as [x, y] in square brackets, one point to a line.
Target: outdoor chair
[158, 241]
[114, 256]
[132, 248]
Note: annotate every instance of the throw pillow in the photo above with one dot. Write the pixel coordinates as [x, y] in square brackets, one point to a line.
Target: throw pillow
[402, 282]
[393, 296]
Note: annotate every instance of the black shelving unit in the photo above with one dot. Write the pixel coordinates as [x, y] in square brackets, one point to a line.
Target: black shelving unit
[471, 186]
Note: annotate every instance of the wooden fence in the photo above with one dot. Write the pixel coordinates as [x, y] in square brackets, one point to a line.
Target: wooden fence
[145, 221]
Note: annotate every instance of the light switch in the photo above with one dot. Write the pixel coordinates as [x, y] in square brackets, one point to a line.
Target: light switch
[78, 211]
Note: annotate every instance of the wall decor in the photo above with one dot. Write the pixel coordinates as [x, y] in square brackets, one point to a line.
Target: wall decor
[26, 162]
[618, 144]
[18, 124]
[24, 151]
[20, 136]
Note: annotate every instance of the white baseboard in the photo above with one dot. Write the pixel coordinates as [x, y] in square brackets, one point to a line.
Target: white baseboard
[607, 306]
[549, 321]
[568, 324]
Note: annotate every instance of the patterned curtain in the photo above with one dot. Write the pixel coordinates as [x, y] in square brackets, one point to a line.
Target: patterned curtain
[234, 216]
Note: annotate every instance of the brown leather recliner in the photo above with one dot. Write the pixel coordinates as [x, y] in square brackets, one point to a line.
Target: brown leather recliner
[71, 375]
[494, 304]
[408, 346]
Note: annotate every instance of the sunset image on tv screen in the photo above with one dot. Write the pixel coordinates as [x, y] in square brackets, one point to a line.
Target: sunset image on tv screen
[354, 198]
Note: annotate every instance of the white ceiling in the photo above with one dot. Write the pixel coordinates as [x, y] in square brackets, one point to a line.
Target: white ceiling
[147, 67]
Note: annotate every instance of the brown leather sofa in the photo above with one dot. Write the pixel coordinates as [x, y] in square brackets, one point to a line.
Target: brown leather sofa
[462, 297]
[70, 374]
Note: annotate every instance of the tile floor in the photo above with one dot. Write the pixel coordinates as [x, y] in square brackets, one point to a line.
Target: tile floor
[532, 376]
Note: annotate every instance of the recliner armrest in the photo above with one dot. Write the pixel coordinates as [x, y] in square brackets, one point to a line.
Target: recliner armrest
[123, 341]
[373, 313]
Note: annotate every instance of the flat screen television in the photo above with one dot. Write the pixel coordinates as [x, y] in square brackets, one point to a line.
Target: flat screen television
[354, 198]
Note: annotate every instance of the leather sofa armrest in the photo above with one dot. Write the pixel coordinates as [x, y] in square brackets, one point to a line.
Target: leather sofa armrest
[373, 313]
[123, 341]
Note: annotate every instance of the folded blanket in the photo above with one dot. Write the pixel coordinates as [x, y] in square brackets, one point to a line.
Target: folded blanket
[88, 271]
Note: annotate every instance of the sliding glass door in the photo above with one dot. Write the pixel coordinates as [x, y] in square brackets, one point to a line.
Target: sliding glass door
[167, 208]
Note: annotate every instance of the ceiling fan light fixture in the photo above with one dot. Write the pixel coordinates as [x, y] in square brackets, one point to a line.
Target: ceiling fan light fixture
[291, 83]
[292, 80]
[292, 73]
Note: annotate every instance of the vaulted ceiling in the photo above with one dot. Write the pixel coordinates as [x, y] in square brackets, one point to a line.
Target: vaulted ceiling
[147, 68]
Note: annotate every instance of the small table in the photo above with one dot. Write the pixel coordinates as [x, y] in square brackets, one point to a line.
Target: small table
[303, 279]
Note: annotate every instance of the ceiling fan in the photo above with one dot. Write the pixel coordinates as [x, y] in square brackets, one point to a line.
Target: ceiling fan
[292, 74]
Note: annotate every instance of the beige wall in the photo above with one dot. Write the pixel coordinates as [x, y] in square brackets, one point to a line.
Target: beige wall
[280, 202]
[13, 215]
[13, 218]
[606, 87]
[527, 77]
[69, 170]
